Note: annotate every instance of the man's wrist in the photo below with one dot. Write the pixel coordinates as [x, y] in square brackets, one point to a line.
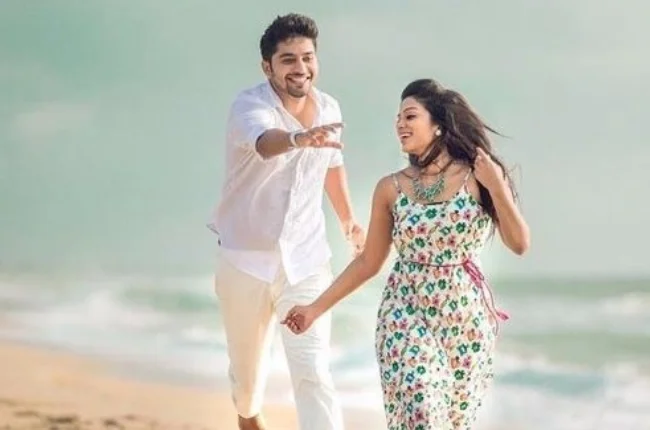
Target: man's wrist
[347, 224]
[293, 138]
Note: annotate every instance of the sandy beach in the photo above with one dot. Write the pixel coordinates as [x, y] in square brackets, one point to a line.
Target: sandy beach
[53, 390]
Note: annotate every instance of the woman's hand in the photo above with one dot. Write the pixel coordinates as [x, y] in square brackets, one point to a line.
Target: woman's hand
[300, 318]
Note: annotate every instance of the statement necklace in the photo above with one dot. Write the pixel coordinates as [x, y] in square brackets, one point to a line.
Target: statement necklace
[430, 193]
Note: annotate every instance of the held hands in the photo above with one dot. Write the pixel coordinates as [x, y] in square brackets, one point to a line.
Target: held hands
[300, 318]
[319, 137]
[487, 172]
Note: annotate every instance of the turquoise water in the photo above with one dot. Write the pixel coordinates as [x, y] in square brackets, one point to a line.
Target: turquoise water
[574, 354]
[111, 125]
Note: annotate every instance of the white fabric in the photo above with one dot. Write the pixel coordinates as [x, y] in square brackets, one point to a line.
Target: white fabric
[270, 214]
[251, 309]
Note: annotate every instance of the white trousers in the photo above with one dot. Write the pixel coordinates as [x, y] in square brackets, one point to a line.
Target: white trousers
[250, 310]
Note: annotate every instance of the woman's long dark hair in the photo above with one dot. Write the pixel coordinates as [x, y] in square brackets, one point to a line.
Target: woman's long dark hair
[462, 131]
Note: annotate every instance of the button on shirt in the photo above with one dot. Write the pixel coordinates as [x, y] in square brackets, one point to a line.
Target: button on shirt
[270, 213]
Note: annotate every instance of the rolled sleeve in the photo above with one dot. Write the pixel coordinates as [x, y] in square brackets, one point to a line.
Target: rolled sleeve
[336, 159]
[248, 120]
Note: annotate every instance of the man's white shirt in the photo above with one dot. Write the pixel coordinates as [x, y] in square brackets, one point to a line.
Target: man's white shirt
[270, 213]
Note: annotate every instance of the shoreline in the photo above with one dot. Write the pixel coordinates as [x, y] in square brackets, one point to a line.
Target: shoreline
[46, 388]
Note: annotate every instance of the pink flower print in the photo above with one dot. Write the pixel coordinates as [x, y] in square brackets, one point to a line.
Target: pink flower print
[422, 258]
[452, 241]
[403, 325]
[467, 362]
[422, 229]
[419, 415]
[391, 280]
[467, 215]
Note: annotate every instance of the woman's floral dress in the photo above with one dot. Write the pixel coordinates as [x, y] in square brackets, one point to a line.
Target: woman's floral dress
[437, 323]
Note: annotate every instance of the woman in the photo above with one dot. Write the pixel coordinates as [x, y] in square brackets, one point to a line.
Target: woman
[437, 323]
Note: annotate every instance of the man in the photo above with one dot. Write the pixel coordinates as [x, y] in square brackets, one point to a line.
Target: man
[282, 150]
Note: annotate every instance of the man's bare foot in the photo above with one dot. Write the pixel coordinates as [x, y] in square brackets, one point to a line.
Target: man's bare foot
[252, 423]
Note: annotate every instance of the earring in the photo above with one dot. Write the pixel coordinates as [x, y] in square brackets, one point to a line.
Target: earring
[438, 132]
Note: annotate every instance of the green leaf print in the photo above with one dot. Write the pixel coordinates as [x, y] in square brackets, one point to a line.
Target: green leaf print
[460, 227]
[403, 201]
[459, 374]
[422, 331]
[404, 290]
[395, 367]
[447, 254]
[453, 305]
[464, 301]
[439, 259]
[430, 287]
[445, 230]
[476, 321]
[463, 406]
[421, 370]
[414, 349]
[398, 335]
[420, 242]
[410, 309]
[476, 346]
[419, 397]
[432, 312]
[460, 203]
[462, 349]
[431, 213]
[442, 284]
[455, 331]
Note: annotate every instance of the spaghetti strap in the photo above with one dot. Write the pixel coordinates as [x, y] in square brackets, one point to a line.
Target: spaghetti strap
[469, 173]
[396, 182]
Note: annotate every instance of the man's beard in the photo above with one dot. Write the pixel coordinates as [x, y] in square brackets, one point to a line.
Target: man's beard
[298, 92]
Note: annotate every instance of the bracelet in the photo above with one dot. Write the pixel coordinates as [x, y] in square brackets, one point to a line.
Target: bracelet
[292, 138]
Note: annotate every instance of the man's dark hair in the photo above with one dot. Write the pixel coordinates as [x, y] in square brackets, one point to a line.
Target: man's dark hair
[284, 28]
